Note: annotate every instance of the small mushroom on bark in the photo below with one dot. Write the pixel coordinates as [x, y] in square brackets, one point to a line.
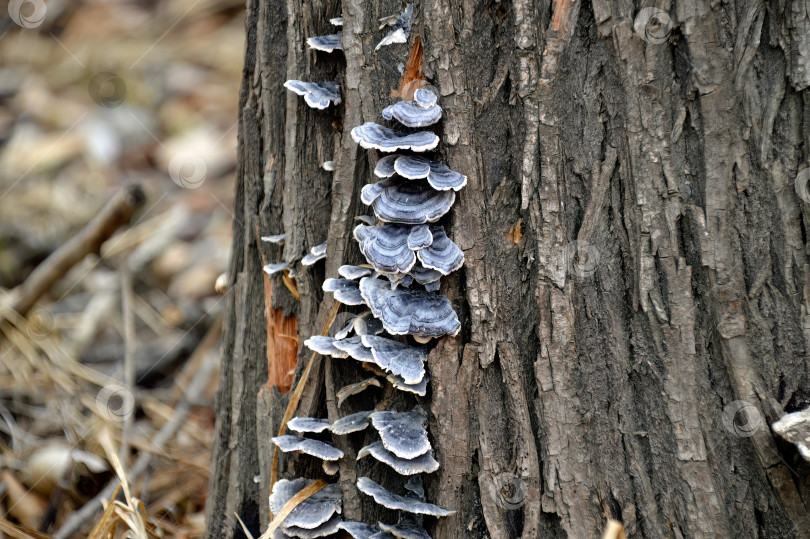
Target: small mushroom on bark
[421, 464]
[409, 312]
[371, 135]
[318, 95]
[395, 501]
[315, 448]
[410, 202]
[403, 433]
[328, 43]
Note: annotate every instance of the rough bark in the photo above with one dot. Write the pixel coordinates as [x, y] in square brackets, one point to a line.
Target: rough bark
[636, 271]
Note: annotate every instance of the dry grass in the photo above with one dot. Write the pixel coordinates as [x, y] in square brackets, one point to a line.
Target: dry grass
[107, 383]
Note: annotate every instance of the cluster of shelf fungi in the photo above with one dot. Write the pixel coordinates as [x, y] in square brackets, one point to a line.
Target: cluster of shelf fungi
[407, 255]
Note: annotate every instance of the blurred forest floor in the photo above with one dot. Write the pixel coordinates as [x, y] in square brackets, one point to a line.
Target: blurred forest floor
[112, 372]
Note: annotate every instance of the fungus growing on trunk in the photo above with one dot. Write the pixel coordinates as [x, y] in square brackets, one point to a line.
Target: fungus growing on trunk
[315, 448]
[403, 433]
[318, 95]
[424, 463]
[410, 202]
[395, 501]
[330, 43]
[409, 312]
[371, 135]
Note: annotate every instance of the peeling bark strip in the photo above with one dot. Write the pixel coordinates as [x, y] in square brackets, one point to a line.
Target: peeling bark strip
[635, 301]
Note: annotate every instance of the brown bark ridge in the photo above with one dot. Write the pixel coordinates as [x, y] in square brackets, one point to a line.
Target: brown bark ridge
[635, 301]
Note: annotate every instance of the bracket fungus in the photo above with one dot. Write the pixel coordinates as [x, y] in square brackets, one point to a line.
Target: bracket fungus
[353, 272]
[403, 433]
[318, 95]
[354, 347]
[407, 256]
[398, 358]
[330, 43]
[328, 166]
[443, 255]
[409, 312]
[311, 512]
[315, 448]
[308, 424]
[346, 291]
[330, 527]
[272, 269]
[405, 530]
[425, 98]
[401, 30]
[438, 175]
[410, 114]
[325, 346]
[390, 248]
[424, 463]
[410, 202]
[419, 388]
[277, 238]
[395, 501]
[351, 423]
[371, 135]
[359, 530]
[366, 324]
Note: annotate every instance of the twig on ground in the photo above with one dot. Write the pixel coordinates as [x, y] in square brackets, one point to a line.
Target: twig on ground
[116, 213]
[195, 388]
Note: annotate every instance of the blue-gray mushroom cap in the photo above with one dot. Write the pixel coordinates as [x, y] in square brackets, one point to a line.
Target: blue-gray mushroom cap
[409, 312]
[443, 255]
[318, 95]
[438, 175]
[395, 501]
[311, 512]
[371, 135]
[275, 238]
[351, 423]
[353, 272]
[398, 358]
[419, 388]
[330, 527]
[386, 247]
[385, 166]
[354, 347]
[410, 202]
[324, 346]
[409, 114]
[316, 448]
[328, 43]
[272, 269]
[308, 424]
[346, 291]
[359, 530]
[403, 433]
[422, 464]
[425, 98]
[405, 530]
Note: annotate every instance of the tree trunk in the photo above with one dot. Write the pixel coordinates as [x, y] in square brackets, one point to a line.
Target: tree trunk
[635, 301]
